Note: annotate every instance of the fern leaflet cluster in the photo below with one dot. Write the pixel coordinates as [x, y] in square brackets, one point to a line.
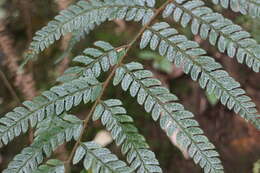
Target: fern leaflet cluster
[250, 7]
[158, 101]
[51, 133]
[114, 117]
[54, 101]
[187, 54]
[220, 31]
[94, 61]
[99, 159]
[92, 12]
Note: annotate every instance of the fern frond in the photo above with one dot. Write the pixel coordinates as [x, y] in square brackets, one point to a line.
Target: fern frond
[187, 54]
[173, 118]
[54, 101]
[250, 7]
[220, 31]
[91, 12]
[52, 132]
[51, 166]
[114, 117]
[99, 159]
[94, 61]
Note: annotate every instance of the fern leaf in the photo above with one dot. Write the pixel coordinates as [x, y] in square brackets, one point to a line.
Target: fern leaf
[93, 62]
[99, 159]
[220, 31]
[250, 7]
[52, 132]
[82, 13]
[114, 117]
[55, 101]
[51, 166]
[187, 54]
[158, 101]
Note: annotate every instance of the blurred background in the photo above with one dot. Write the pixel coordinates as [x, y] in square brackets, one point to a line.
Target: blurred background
[236, 141]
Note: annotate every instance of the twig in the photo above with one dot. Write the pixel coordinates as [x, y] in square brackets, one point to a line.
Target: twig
[107, 81]
[9, 87]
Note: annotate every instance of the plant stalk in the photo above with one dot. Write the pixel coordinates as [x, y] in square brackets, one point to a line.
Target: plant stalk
[107, 81]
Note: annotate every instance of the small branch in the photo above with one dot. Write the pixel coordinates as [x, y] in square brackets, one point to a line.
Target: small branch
[9, 87]
[107, 81]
